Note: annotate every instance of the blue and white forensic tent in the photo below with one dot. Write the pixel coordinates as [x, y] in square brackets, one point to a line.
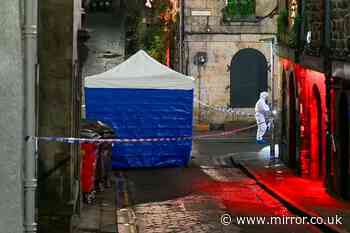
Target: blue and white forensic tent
[140, 99]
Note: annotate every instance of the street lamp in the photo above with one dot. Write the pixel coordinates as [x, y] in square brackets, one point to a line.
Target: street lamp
[272, 42]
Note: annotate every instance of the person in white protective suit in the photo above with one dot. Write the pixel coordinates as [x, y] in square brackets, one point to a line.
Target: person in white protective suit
[261, 110]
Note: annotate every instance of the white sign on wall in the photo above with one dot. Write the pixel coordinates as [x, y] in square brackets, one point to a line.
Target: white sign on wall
[201, 12]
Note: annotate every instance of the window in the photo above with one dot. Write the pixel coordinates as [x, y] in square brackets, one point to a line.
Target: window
[239, 9]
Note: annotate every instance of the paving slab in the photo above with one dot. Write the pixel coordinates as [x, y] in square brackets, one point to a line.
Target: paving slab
[100, 216]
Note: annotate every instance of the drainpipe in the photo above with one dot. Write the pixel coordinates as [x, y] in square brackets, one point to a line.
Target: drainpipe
[30, 65]
[199, 93]
[273, 96]
[272, 44]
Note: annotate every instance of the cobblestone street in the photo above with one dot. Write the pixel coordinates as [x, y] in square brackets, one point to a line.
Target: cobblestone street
[193, 199]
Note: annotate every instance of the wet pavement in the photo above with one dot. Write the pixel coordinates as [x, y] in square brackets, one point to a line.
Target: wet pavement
[308, 196]
[99, 216]
[106, 45]
[194, 198]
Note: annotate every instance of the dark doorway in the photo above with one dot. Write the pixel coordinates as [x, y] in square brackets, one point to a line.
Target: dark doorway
[316, 158]
[284, 118]
[343, 146]
[248, 77]
[292, 122]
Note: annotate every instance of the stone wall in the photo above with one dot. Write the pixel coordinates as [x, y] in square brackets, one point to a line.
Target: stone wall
[214, 75]
[214, 23]
[221, 41]
[11, 118]
[340, 43]
[314, 15]
[58, 168]
[314, 22]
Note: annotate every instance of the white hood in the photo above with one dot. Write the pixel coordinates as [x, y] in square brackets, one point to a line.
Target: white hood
[264, 95]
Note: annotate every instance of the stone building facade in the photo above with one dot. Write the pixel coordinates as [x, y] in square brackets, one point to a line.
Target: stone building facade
[315, 95]
[340, 29]
[11, 118]
[339, 98]
[314, 25]
[218, 52]
[59, 114]
[302, 73]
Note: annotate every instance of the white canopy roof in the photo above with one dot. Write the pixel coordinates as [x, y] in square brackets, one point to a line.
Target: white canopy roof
[140, 71]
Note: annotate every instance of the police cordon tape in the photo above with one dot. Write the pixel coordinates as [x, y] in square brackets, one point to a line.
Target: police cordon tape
[222, 109]
[226, 133]
[72, 140]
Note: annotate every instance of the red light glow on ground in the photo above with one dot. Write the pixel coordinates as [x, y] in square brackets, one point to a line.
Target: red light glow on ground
[244, 198]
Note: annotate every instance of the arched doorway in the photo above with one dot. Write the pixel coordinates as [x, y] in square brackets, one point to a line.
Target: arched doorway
[316, 158]
[343, 155]
[292, 126]
[248, 77]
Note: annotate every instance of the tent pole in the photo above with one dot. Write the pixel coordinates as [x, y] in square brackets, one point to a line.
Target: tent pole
[199, 94]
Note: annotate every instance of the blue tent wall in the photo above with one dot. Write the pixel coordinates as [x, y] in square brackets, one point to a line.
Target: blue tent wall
[145, 113]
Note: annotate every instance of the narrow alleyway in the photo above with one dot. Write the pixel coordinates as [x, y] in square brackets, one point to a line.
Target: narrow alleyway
[194, 198]
[106, 43]
[190, 199]
[105, 49]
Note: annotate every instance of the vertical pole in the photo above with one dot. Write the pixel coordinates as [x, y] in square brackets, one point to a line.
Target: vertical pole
[199, 93]
[272, 63]
[181, 35]
[30, 63]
